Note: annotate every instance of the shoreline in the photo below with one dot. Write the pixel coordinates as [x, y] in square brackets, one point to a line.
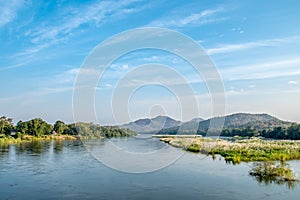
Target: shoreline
[8, 140]
[262, 153]
[241, 150]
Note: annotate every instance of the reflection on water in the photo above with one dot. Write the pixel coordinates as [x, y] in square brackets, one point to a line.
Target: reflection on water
[34, 147]
[57, 146]
[269, 172]
[271, 180]
[65, 170]
[37, 147]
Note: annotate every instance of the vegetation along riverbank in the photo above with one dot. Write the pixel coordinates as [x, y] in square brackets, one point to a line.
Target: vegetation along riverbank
[246, 150]
[262, 152]
[38, 129]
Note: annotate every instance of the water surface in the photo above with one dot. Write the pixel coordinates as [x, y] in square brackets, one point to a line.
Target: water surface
[65, 169]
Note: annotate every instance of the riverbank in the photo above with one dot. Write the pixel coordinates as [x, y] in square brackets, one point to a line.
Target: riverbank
[28, 138]
[246, 150]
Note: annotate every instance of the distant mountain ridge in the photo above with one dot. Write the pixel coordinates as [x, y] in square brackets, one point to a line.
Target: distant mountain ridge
[244, 120]
[233, 121]
[152, 125]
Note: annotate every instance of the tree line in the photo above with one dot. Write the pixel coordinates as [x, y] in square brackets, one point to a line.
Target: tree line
[38, 127]
[291, 132]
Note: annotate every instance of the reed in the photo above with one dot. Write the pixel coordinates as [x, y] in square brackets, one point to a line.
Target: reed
[7, 140]
[247, 150]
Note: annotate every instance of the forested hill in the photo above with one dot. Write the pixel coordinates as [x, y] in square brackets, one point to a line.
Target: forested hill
[243, 124]
[151, 125]
[244, 120]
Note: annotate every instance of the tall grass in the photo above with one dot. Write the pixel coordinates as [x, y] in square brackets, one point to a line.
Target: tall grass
[241, 150]
[6, 140]
[268, 172]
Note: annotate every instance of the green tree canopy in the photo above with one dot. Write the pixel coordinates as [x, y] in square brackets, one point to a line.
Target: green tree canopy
[6, 124]
[35, 127]
[60, 127]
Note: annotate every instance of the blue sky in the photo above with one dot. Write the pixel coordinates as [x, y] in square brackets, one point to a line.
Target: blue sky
[254, 44]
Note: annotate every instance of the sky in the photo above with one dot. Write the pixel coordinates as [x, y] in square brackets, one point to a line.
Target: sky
[255, 46]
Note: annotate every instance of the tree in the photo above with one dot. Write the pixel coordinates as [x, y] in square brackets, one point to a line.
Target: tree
[60, 127]
[35, 127]
[6, 124]
[22, 127]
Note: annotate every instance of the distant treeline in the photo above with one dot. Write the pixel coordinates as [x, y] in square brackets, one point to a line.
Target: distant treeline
[38, 127]
[291, 132]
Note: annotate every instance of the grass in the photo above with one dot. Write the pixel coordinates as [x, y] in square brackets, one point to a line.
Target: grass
[269, 172]
[6, 140]
[247, 150]
[262, 152]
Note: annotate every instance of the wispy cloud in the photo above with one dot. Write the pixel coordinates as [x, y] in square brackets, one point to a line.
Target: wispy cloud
[97, 13]
[49, 32]
[273, 69]
[39, 92]
[31, 50]
[203, 17]
[8, 10]
[293, 82]
[71, 21]
[227, 48]
[13, 66]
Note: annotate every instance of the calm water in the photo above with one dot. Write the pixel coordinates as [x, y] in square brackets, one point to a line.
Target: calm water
[56, 170]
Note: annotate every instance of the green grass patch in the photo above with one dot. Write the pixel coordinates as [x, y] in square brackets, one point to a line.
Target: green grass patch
[247, 150]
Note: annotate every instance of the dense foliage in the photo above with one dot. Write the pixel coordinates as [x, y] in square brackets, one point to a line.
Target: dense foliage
[38, 127]
[6, 124]
[35, 127]
[91, 130]
[291, 132]
[241, 124]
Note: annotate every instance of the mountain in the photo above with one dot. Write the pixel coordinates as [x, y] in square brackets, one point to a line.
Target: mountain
[184, 128]
[244, 120]
[258, 122]
[153, 125]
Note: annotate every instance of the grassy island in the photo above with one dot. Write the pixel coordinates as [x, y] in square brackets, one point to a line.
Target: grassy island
[269, 172]
[262, 152]
[245, 150]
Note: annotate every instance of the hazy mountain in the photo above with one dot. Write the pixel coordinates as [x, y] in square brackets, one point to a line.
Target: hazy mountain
[256, 121]
[186, 127]
[152, 125]
[234, 121]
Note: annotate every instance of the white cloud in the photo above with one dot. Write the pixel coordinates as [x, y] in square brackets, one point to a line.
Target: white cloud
[13, 66]
[125, 66]
[293, 82]
[235, 92]
[96, 14]
[8, 10]
[31, 50]
[51, 32]
[69, 76]
[204, 17]
[273, 69]
[227, 48]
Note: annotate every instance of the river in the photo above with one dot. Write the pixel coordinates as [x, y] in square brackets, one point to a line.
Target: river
[69, 170]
